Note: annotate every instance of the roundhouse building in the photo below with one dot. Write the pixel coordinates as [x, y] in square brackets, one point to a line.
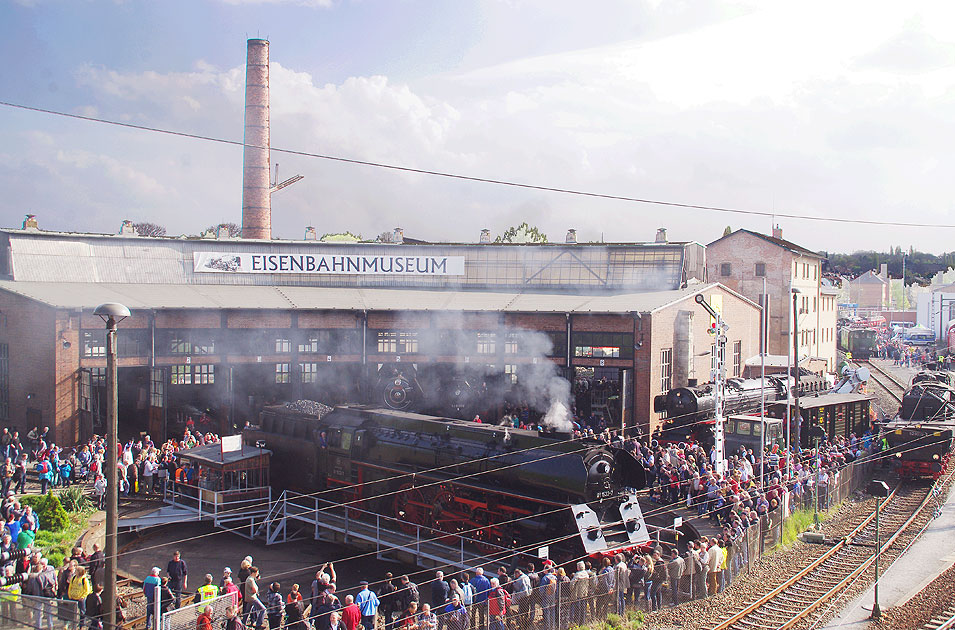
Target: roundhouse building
[221, 327]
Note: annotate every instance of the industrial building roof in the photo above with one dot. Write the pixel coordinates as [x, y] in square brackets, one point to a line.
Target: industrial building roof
[85, 295]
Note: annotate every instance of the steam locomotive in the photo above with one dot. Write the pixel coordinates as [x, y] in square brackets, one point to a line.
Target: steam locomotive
[920, 437]
[510, 485]
[690, 410]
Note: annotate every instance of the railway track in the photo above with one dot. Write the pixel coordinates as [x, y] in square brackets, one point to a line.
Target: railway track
[800, 598]
[892, 385]
[945, 621]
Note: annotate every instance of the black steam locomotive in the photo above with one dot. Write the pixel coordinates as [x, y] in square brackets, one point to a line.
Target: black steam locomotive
[920, 437]
[690, 410]
[510, 485]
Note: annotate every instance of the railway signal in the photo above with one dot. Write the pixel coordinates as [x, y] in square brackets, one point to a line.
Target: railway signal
[718, 329]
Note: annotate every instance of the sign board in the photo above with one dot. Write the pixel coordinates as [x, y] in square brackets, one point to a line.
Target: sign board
[327, 264]
[677, 522]
[231, 443]
[543, 552]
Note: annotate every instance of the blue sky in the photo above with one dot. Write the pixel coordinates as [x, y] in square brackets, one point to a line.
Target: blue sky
[809, 108]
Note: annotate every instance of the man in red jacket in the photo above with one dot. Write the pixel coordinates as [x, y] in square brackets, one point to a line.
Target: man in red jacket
[351, 614]
[204, 621]
[498, 601]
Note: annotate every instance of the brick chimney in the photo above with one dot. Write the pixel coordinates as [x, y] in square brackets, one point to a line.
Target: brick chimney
[256, 187]
[571, 237]
[777, 232]
[30, 223]
[661, 235]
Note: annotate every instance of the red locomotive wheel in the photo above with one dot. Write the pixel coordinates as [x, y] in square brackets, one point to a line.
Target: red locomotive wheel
[412, 509]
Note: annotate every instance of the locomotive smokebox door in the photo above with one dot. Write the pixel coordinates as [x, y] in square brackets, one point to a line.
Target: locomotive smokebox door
[632, 517]
[627, 471]
[588, 525]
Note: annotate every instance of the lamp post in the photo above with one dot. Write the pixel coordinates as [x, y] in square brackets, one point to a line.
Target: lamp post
[879, 489]
[111, 313]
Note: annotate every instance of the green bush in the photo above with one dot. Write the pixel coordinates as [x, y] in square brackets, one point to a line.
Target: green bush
[49, 510]
[73, 500]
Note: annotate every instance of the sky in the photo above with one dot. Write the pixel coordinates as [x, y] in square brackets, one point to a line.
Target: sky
[827, 109]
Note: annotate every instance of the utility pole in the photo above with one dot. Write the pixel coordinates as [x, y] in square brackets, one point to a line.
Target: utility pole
[818, 461]
[718, 329]
[795, 385]
[111, 313]
[880, 490]
[763, 316]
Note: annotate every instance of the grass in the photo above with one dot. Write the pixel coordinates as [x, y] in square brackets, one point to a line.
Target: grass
[59, 545]
[633, 620]
[798, 522]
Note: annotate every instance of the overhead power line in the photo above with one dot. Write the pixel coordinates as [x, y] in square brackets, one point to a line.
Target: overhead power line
[485, 180]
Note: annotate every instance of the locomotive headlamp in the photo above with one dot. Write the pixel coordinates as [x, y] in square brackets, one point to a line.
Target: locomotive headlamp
[935, 456]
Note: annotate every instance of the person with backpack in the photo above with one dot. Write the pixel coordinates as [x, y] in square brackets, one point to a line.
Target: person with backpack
[45, 474]
[79, 589]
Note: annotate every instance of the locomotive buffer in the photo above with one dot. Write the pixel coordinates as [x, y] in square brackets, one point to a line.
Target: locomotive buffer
[718, 329]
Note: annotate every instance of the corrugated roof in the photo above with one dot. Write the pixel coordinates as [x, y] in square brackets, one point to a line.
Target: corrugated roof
[176, 296]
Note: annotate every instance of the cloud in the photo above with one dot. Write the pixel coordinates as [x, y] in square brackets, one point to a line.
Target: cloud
[914, 50]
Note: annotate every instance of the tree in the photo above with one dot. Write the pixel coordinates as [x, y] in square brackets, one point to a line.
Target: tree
[727, 231]
[235, 231]
[144, 228]
[340, 237]
[523, 233]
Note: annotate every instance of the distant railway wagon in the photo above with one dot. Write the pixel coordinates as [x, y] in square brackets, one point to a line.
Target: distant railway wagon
[862, 343]
[751, 433]
[828, 415]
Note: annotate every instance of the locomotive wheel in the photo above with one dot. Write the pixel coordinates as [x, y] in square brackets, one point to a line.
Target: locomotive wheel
[411, 509]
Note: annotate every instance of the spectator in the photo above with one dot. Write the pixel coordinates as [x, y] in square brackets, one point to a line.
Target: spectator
[94, 607]
[455, 615]
[178, 576]
[351, 614]
[204, 621]
[427, 620]
[440, 590]
[151, 586]
[274, 605]
[481, 586]
[79, 589]
[368, 604]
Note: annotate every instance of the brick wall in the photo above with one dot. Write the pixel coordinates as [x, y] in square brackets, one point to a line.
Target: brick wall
[27, 327]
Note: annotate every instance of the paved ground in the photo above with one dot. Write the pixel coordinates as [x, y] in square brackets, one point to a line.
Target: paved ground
[287, 562]
[925, 560]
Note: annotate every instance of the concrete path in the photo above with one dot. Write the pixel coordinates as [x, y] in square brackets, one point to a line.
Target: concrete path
[925, 560]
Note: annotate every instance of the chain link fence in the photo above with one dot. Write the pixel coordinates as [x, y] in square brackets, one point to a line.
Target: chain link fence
[19, 610]
[185, 618]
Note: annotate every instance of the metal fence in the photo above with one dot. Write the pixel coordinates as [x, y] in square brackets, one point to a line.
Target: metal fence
[185, 618]
[38, 612]
[587, 596]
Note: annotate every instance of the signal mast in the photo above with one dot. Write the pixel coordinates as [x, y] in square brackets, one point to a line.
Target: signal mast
[718, 329]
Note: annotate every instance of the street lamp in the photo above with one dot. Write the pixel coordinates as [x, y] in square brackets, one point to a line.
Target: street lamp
[795, 385]
[111, 313]
[879, 489]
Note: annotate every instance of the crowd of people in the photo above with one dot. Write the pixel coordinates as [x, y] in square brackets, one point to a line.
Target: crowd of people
[517, 598]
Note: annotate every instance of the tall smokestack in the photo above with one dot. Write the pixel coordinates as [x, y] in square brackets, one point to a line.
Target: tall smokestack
[256, 196]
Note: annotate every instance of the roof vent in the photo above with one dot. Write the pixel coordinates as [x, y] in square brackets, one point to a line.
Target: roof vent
[777, 232]
[661, 235]
[222, 232]
[571, 236]
[30, 223]
[311, 234]
[127, 228]
[399, 237]
[485, 235]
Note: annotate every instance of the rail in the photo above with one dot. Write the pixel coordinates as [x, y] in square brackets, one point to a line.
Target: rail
[898, 387]
[805, 609]
[945, 621]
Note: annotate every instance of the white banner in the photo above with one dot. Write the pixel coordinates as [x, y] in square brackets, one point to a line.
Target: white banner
[231, 443]
[336, 264]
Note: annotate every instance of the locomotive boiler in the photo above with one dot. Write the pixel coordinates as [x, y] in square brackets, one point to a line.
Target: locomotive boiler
[503, 487]
[690, 410]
